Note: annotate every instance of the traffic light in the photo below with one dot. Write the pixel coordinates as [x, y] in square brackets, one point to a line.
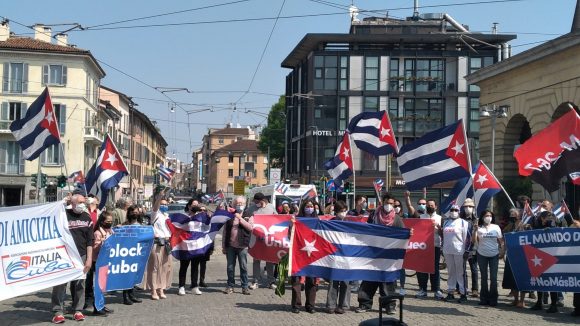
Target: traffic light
[347, 187]
[34, 179]
[43, 177]
[61, 181]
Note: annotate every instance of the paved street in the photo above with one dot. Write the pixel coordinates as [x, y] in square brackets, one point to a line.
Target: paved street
[263, 307]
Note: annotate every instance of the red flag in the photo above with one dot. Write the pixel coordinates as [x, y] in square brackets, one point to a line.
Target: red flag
[420, 254]
[269, 241]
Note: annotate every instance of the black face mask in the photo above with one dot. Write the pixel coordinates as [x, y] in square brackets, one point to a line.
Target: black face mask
[107, 225]
[430, 210]
[195, 209]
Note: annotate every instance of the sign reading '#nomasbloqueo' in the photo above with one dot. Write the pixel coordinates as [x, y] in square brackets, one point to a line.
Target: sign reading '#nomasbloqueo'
[37, 250]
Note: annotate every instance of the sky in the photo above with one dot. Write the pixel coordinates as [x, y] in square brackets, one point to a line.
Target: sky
[219, 50]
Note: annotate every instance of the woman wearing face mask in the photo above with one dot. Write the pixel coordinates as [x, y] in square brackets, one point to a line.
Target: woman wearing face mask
[103, 230]
[456, 238]
[338, 290]
[192, 209]
[468, 213]
[310, 283]
[133, 216]
[489, 242]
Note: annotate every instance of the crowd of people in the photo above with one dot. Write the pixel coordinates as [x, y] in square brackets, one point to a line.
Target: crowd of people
[463, 238]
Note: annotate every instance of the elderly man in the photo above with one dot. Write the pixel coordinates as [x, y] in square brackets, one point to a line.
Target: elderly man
[120, 212]
[235, 241]
[81, 229]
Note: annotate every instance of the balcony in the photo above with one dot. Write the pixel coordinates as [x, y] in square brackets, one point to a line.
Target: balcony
[93, 135]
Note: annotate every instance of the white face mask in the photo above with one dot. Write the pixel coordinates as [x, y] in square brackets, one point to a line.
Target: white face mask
[308, 210]
[454, 215]
[542, 209]
[468, 209]
[388, 208]
[79, 208]
[487, 220]
[240, 208]
[397, 210]
[341, 215]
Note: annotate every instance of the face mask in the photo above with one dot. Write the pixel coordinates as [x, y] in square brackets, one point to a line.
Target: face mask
[422, 207]
[240, 208]
[163, 208]
[397, 210]
[341, 215]
[487, 220]
[430, 210]
[308, 210]
[364, 205]
[317, 211]
[79, 208]
[468, 210]
[107, 225]
[388, 208]
[454, 215]
[542, 209]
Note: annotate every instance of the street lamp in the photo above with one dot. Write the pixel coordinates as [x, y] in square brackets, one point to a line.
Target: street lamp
[493, 111]
[314, 128]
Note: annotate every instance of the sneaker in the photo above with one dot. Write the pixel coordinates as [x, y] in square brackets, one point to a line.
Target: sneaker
[450, 297]
[439, 295]
[273, 286]
[228, 291]
[246, 291]
[202, 284]
[421, 294]
[553, 309]
[330, 311]
[108, 310]
[532, 296]
[253, 286]
[339, 311]
[311, 310]
[58, 319]
[402, 292]
[360, 310]
[475, 294]
[78, 316]
[536, 307]
[196, 291]
[99, 312]
[181, 290]
[295, 310]
[462, 298]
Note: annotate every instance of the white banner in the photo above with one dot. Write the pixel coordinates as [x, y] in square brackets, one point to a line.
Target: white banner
[37, 250]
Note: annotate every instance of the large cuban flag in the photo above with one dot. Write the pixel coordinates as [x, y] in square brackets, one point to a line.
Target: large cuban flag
[107, 171]
[193, 236]
[347, 251]
[340, 166]
[438, 156]
[372, 132]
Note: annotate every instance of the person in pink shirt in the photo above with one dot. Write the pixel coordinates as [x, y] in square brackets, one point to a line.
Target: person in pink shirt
[103, 230]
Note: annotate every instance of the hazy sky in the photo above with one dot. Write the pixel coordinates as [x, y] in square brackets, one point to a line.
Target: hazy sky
[216, 53]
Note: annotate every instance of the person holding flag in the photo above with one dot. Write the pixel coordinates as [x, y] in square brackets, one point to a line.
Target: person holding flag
[456, 245]
[468, 214]
[338, 290]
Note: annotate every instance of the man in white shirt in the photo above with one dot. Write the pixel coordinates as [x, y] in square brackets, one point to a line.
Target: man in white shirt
[422, 278]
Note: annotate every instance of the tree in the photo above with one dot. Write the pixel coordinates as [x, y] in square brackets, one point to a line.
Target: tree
[273, 134]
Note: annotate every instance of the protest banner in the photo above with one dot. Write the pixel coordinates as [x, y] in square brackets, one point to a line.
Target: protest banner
[37, 250]
[269, 241]
[420, 255]
[545, 260]
[122, 260]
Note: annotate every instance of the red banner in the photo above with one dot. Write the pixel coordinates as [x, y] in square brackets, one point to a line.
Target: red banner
[269, 241]
[420, 254]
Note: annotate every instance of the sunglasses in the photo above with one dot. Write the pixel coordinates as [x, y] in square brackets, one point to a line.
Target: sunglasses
[454, 210]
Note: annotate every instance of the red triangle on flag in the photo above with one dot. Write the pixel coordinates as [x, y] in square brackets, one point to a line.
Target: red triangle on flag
[49, 122]
[308, 247]
[538, 261]
[386, 134]
[345, 154]
[457, 149]
[484, 179]
[111, 158]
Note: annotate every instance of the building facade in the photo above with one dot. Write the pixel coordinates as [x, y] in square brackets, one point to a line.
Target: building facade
[414, 69]
[73, 75]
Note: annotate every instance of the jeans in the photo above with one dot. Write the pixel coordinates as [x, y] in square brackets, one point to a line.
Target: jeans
[473, 267]
[367, 291]
[77, 291]
[89, 290]
[488, 295]
[257, 272]
[198, 265]
[338, 290]
[242, 257]
[422, 278]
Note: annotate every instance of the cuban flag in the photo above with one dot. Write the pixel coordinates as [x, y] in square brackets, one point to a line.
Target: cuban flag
[372, 132]
[38, 130]
[77, 177]
[193, 236]
[560, 210]
[438, 156]
[340, 166]
[281, 188]
[347, 251]
[527, 214]
[166, 173]
[575, 178]
[462, 190]
[330, 186]
[310, 194]
[107, 171]
[378, 184]
[218, 196]
[485, 186]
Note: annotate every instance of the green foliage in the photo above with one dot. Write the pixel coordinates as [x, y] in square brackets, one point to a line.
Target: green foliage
[273, 134]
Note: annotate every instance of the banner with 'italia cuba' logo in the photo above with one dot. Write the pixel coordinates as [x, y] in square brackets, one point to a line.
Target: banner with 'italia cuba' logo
[37, 250]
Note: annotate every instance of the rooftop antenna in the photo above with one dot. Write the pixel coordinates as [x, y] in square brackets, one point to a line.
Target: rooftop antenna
[494, 28]
[353, 10]
[416, 9]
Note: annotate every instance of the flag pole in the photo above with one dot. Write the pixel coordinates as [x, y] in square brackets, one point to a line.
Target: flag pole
[38, 180]
[353, 169]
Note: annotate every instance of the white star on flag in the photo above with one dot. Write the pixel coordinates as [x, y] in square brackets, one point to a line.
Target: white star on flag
[458, 148]
[481, 178]
[49, 117]
[537, 261]
[112, 158]
[385, 132]
[346, 155]
[309, 247]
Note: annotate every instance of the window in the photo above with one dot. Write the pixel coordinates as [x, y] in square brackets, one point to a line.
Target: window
[424, 75]
[9, 112]
[255, 158]
[52, 155]
[394, 76]
[230, 173]
[11, 160]
[474, 115]
[423, 115]
[393, 108]
[54, 75]
[371, 104]
[342, 114]
[15, 78]
[266, 173]
[369, 161]
[372, 73]
[326, 72]
[60, 113]
[476, 64]
[220, 141]
[343, 74]
[230, 158]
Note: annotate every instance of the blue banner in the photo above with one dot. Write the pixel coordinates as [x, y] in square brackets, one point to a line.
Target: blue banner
[122, 260]
[545, 260]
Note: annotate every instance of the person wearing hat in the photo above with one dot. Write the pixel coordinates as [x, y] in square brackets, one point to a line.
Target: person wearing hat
[469, 214]
[456, 245]
[262, 207]
[285, 209]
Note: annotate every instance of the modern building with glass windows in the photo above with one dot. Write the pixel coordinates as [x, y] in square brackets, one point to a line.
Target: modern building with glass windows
[413, 68]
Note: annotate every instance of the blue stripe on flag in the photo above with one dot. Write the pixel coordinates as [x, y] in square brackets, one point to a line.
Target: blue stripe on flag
[356, 228]
[368, 252]
[435, 178]
[424, 161]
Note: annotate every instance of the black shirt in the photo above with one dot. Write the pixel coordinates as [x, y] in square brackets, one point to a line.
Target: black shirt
[81, 228]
